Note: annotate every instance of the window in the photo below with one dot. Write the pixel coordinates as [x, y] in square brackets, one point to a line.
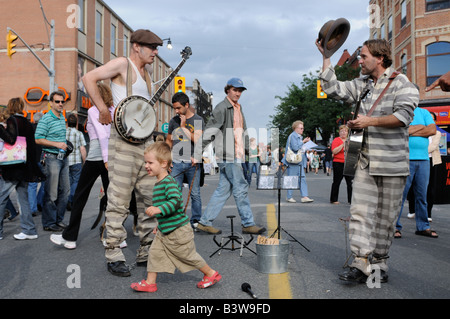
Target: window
[113, 39]
[125, 45]
[404, 64]
[433, 5]
[81, 5]
[99, 27]
[403, 15]
[390, 28]
[438, 58]
[382, 31]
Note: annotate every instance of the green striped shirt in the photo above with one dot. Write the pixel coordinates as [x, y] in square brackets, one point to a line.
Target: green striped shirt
[51, 128]
[168, 198]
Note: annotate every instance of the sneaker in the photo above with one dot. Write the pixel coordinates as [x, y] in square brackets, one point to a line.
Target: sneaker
[253, 230]
[209, 229]
[307, 200]
[22, 236]
[59, 240]
[411, 216]
[291, 200]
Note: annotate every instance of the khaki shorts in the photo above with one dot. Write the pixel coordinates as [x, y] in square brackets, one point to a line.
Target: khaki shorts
[175, 250]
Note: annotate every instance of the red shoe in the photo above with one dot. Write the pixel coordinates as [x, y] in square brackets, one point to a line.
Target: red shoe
[143, 286]
[209, 281]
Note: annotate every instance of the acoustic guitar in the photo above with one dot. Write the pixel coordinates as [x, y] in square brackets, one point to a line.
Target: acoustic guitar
[352, 146]
[355, 139]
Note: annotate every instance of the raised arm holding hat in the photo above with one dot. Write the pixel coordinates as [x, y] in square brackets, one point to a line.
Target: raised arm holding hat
[382, 168]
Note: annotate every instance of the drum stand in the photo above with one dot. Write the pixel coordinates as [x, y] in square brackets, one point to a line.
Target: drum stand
[231, 239]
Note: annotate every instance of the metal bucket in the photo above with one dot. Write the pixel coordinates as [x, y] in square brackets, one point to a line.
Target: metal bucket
[273, 259]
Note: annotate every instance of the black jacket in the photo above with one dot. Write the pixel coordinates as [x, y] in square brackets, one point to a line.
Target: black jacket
[30, 171]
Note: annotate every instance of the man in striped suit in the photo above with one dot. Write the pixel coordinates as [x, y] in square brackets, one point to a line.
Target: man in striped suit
[383, 164]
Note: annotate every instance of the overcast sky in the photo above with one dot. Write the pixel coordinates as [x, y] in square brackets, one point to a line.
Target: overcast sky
[268, 44]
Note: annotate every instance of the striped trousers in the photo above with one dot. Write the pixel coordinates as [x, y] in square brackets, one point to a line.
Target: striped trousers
[126, 171]
[376, 203]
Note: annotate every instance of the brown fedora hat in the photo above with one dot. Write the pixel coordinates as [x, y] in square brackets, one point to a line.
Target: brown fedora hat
[333, 34]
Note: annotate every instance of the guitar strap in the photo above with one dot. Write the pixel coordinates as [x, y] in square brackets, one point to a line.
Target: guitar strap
[391, 79]
[129, 80]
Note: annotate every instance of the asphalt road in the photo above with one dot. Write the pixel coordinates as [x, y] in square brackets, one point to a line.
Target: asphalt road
[419, 266]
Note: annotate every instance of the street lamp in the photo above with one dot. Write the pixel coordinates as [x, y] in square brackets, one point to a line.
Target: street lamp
[169, 43]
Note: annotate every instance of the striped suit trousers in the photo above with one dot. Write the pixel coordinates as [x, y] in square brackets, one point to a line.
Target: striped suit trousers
[126, 171]
[376, 202]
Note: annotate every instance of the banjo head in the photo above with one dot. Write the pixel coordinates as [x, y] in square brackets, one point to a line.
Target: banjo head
[135, 119]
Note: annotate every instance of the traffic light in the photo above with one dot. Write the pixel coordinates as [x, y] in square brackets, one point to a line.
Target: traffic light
[10, 38]
[320, 93]
[180, 84]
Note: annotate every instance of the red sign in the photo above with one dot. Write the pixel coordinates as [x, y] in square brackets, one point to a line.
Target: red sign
[442, 114]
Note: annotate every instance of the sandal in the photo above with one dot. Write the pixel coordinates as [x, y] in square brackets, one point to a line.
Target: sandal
[143, 286]
[397, 234]
[209, 281]
[427, 233]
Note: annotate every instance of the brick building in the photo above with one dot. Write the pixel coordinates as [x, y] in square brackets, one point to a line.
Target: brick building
[88, 34]
[419, 32]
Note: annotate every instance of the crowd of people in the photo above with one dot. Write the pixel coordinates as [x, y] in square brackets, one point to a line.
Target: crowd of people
[153, 172]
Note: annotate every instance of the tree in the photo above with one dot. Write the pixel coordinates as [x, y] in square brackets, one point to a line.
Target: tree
[301, 103]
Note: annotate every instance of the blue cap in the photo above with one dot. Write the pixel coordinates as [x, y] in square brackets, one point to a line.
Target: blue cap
[237, 83]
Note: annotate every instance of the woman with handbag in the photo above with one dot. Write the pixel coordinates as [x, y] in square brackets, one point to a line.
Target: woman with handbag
[295, 162]
[19, 168]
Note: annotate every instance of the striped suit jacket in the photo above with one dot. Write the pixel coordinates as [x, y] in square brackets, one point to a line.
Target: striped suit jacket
[384, 150]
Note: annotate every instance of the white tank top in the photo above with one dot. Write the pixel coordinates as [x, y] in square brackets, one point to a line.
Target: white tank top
[119, 92]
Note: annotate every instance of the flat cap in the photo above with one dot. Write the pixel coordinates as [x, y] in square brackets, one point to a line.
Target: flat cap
[145, 37]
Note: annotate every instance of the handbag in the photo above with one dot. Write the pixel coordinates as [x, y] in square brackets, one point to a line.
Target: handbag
[291, 156]
[14, 154]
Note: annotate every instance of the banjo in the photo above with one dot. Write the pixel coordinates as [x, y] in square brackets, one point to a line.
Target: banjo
[135, 116]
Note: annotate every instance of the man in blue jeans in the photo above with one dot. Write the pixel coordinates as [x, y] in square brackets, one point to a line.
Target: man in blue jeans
[184, 131]
[419, 130]
[227, 127]
[51, 134]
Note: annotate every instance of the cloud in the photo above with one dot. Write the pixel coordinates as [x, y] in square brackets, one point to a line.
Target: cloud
[268, 44]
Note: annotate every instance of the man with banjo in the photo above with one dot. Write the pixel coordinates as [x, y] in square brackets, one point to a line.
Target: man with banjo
[130, 79]
[382, 165]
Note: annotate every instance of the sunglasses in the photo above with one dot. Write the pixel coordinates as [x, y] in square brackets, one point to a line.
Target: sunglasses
[152, 47]
[59, 101]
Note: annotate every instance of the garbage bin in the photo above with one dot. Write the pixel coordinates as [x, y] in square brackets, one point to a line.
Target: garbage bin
[273, 259]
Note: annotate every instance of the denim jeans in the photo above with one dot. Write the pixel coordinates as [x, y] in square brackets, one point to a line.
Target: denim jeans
[74, 177]
[252, 168]
[26, 219]
[295, 170]
[189, 170]
[56, 192]
[419, 175]
[231, 182]
[35, 197]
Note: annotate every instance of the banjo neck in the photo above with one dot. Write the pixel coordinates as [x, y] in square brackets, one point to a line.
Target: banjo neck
[185, 55]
